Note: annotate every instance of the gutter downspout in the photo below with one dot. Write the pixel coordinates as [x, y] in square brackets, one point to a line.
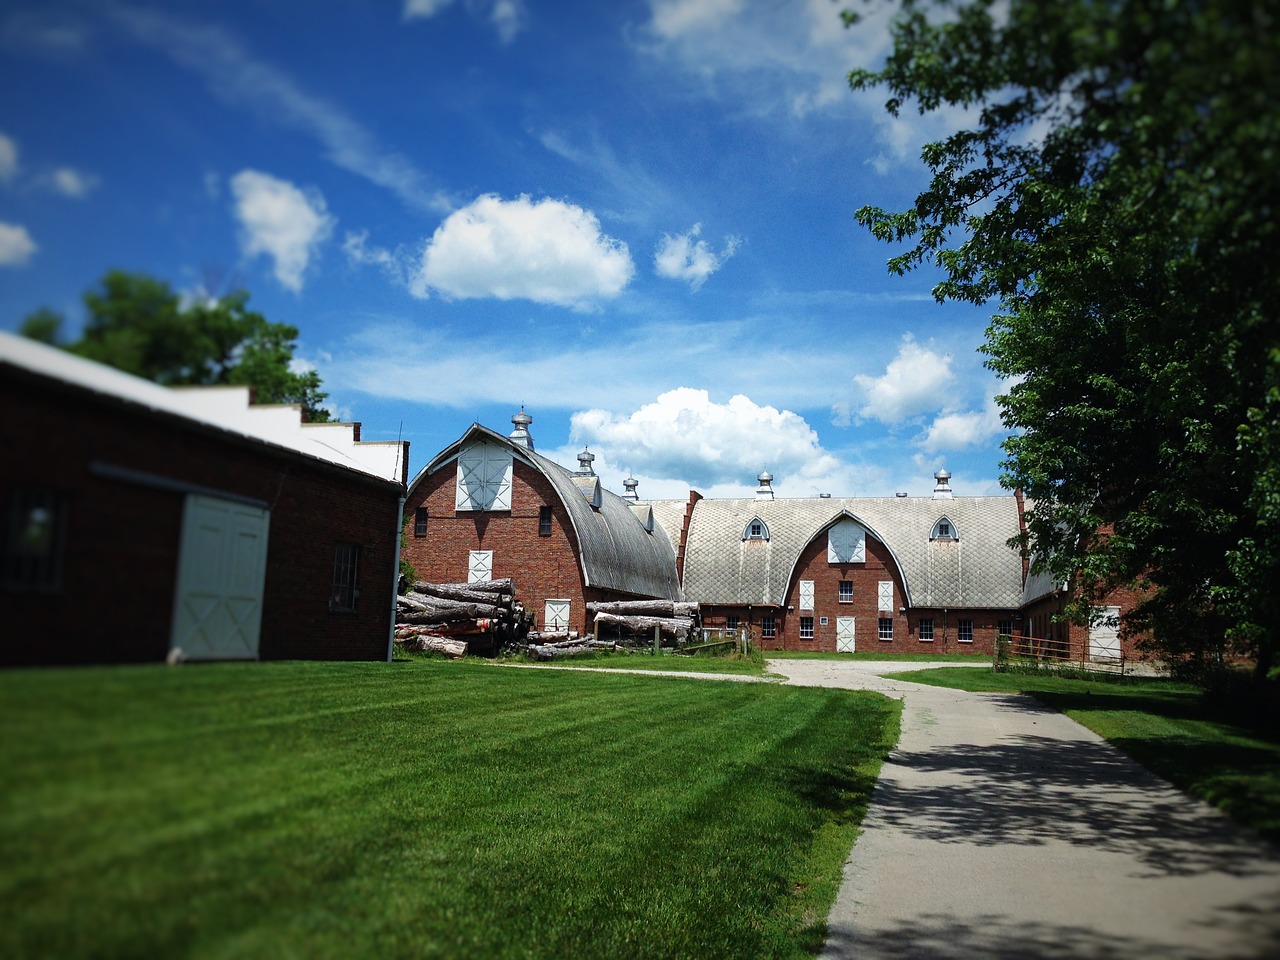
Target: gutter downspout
[395, 578]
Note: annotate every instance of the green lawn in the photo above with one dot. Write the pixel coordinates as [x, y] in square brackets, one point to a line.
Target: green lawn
[735, 664]
[424, 809]
[1166, 726]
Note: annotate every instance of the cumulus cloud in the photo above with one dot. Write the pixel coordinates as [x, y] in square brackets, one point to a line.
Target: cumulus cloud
[915, 382]
[281, 221]
[8, 158]
[956, 431]
[684, 435]
[507, 17]
[16, 245]
[547, 252]
[684, 257]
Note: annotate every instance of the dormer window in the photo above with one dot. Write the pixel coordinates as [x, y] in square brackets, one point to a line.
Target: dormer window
[756, 530]
[944, 530]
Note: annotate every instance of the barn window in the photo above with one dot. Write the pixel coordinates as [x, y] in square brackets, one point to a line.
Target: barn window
[768, 627]
[1005, 628]
[944, 529]
[33, 539]
[731, 622]
[846, 542]
[806, 628]
[342, 592]
[544, 521]
[420, 522]
[886, 628]
[926, 628]
[846, 591]
[965, 631]
[755, 530]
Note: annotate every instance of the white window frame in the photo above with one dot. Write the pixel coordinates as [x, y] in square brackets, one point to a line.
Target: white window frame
[881, 632]
[806, 595]
[846, 597]
[806, 628]
[884, 592]
[964, 631]
[926, 629]
[480, 566]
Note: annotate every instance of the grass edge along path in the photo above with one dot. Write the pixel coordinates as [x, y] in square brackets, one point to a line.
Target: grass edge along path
[424, 810]
[1167, 726]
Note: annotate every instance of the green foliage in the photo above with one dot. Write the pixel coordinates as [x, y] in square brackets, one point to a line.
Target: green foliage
[1117, 192]
[424, 809]
[140, 325]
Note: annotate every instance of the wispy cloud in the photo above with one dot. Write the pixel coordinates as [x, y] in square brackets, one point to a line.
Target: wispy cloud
[70, 182]
[235, 75]
[281, 221]
[507, 17]
[8, 158]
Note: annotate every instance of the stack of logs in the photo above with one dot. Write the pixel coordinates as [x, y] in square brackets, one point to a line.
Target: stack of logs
[622, 624]
[457, 618]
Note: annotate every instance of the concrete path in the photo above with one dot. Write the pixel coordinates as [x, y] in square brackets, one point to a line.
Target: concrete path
[1001, 829]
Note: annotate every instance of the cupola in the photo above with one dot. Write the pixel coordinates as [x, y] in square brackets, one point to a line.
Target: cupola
[521, 433]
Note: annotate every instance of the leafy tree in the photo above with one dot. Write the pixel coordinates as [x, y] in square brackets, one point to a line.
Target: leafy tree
[140, 325]
[1116, 190]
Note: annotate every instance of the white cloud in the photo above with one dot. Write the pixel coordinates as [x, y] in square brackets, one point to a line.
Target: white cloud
[71, 183]
[956, 431]
[508, 17]
[548, 252]
[399, 264]
[278, 219]
[237, 77]
[916, 381]
[682, 257]
[8, 158]
[685, 436]
[16, 245]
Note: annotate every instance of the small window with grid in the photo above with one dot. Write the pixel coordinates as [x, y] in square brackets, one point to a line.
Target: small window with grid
[1005, 628]
[544, 521]
[886, 628]
[33, 539]
[806, 628]
[731, 622]
[342, 592]
[768, 627]
[965, 631]
[926, 628]
[846, 591]
[420, 522]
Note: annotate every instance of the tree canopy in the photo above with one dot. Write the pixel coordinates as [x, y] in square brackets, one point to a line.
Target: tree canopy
[1115, 190]
[138, 324]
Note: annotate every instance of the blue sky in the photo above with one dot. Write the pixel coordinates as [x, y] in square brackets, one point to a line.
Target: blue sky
[635, 219]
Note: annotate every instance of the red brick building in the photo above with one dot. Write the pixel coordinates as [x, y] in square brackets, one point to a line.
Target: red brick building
[142, 522]
[490, 507]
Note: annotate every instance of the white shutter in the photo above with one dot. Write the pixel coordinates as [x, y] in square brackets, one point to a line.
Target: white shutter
[557, 616]
[846, 542]
[806, 594]
[886, 596]
[1104, 634]
[484, 478]
[480, 566]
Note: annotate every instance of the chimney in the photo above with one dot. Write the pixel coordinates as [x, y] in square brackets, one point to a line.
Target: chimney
[630, 485]
[521, 433]
[942, 489]
[585, 459]
[764, 491]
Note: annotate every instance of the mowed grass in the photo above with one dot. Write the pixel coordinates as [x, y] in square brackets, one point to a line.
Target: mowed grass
[734, 664]
[1168, 727]
[424, 810]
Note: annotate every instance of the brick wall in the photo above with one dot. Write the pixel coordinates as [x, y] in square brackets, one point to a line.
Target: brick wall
[114, 600]
[542, 567]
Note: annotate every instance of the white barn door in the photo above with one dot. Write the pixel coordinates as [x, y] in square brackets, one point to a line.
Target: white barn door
[557, 616]
[1104, 635]
[844, 635]
[480, 566]
[222, 570]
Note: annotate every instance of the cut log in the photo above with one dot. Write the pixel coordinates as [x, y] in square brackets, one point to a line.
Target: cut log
[429, 643]
[452, 589]
[669, 626]
[641, 608]
[543, 653]
[457, 594]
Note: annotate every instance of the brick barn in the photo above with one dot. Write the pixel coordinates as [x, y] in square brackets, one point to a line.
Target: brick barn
[894, 574]
[489, 507]
[143, 522]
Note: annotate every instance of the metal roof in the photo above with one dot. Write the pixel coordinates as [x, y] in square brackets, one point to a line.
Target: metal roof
[976, 570]
[616, 552]
[224, 408]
